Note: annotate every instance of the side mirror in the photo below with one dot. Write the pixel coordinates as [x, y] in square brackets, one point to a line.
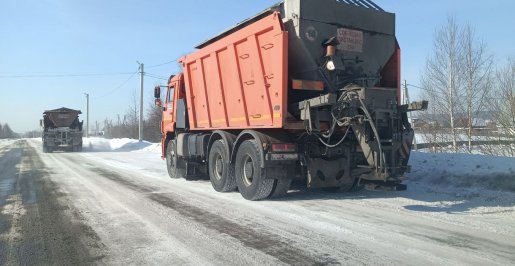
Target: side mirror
[159, 103]
[157, 92]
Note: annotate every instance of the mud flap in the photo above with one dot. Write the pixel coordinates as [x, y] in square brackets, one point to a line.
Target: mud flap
[407, 142]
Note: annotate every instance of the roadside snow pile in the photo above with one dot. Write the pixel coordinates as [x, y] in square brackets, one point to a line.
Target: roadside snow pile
[7, 141]
[428, 138]
[153, 147]
[464, 170]
[103, 145]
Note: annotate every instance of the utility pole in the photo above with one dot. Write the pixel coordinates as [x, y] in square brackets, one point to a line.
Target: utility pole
[142, 73]
[87, 114]
[406, 101]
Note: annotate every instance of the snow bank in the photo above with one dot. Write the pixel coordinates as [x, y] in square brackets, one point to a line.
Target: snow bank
[5, 142]
[464, 170]
[127, 145]
[428, 138]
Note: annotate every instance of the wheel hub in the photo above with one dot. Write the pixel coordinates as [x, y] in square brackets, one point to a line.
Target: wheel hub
[172, 159]
[218, 167]
[248, 171]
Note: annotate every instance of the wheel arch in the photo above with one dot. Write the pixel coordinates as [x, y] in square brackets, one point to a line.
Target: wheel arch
[248, 135]
[164, 143]
[227, 137]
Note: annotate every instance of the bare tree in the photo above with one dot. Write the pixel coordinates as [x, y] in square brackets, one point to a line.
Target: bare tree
[476, 65]
[128, 127]
[503, 104]
[431, 130]
[442, 78]
[152, 126]
[133, 118]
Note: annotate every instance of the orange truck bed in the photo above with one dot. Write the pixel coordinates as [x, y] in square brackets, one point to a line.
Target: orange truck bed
[255, 97]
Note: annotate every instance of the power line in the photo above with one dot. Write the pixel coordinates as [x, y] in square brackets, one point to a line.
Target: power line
[120, 86]
[162, 64]
[155, 76]
[64, 75]
[418, 87]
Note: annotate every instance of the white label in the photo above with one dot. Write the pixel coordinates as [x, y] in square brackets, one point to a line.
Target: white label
[350, 40]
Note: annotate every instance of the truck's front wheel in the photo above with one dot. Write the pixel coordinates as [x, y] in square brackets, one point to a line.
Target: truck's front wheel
[221, 172]
[172, 161]
[250, 177]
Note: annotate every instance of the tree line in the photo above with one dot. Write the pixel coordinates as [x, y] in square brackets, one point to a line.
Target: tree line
[127, 125]
[6, 132]
[470, 97]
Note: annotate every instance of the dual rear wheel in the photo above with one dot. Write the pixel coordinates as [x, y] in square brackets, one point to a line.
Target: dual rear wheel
[246, 174]
[252, 180]
[221, 172]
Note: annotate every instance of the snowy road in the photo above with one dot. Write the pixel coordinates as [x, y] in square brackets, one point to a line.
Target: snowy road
[121, 208]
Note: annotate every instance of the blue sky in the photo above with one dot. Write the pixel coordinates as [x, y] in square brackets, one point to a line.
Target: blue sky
[42, 38]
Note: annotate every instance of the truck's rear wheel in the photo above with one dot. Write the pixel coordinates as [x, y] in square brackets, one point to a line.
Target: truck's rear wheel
[221, 172]
[250, 177]
[281, 188]
[172, 161]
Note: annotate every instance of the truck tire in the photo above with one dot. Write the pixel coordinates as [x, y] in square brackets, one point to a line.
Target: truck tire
[281, 187]
[172, 161]
[221, 172]
[45, 149]
[250, 177]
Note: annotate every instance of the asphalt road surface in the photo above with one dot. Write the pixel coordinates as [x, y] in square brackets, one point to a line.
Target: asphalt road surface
[121, 208]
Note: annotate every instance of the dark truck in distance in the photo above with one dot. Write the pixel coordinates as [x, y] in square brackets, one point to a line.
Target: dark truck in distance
[62, 130]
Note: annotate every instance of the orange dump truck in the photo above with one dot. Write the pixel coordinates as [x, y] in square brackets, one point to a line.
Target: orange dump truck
[307, 89]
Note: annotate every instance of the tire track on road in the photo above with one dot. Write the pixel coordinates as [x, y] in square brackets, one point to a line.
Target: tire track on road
[271, 244]
[42, 230]
[268, 243]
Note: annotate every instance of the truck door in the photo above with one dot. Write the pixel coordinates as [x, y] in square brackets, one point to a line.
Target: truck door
[169, 109]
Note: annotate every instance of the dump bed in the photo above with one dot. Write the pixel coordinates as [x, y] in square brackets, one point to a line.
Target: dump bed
[62, 117]
[362, 29]
[243, 77]
[239, 81]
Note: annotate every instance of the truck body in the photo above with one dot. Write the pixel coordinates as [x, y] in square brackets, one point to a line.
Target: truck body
[307, 89]
[62, 130]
